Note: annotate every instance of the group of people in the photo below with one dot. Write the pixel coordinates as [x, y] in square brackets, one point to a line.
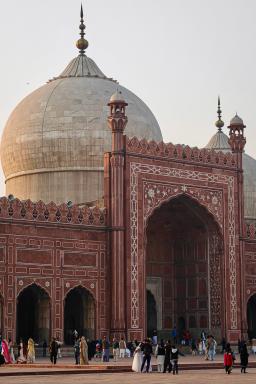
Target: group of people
[167, 355]
[81, 351]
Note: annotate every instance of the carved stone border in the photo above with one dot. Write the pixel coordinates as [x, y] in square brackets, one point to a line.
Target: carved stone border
[188, 175]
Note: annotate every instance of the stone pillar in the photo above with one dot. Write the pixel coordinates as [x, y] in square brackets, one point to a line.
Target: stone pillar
[117, 121]
[237, 142]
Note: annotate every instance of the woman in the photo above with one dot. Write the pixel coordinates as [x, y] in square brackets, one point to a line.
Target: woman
[21, 358]
[83, 352]
[160, 355]
[137, 360]
[244, 357]
[10, 348]
[31, 357]
[228, 359]
[5, 352]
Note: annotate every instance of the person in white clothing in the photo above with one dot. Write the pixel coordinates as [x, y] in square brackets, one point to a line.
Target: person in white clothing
[137, 359]
[122, 348]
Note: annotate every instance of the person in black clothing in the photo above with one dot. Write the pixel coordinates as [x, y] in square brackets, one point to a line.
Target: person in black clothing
[53, 350]
[223, 345]
[44, 348]
[175, 358]
[77, 351]
[167, 363]
[244, 357]
[147, 352]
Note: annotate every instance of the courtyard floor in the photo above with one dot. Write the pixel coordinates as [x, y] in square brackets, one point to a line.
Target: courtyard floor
[192, 377]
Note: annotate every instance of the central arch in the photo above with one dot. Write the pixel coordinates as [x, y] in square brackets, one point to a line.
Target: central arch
[33, 314]
[79, 314]
[184, 251]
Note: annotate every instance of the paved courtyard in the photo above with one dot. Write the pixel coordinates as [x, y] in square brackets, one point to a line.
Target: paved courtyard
[192, 377]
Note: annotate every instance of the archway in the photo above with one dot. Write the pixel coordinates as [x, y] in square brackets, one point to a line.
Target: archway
[251, 317]
[79, 314]
[151, 314]
[184, 250]
[33, 314]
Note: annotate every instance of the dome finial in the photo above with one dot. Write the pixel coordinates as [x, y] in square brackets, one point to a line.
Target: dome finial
[82, 43]
[219, 123]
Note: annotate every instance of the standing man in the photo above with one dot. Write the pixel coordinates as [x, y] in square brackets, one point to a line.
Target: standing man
[147, 352]
[122, 348]
[77, 351]
[53, 350]
[115, 349]
[105, 349]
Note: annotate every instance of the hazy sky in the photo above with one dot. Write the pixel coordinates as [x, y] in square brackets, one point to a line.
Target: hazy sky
[176, 55]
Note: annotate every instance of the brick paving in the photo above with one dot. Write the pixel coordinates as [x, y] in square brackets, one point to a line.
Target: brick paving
[191, 377]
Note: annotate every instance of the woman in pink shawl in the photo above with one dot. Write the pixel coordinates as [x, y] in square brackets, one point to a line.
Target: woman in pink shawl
[5, 352]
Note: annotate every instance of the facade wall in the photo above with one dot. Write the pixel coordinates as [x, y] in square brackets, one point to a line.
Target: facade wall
[57, 257]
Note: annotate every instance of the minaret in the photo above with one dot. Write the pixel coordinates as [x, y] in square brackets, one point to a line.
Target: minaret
[237, 142]
[117, 121]
[82, 43]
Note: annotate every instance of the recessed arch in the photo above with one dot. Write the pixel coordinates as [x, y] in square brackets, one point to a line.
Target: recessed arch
[184, 249]
[79, 314]
[33, 314]
[251, 316]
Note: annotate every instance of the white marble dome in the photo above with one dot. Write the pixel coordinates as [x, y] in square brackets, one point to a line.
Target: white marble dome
[54, 141]
[219, 142]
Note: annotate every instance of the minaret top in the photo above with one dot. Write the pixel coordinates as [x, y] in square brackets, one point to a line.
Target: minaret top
[219, 123]
[82, 43]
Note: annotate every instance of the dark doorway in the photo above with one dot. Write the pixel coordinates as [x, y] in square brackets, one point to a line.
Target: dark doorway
[251, 317]
[151, 314]
[79, 315]
[33, 314]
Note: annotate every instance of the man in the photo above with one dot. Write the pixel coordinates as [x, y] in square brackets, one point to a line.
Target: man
[122, 348]
[147, 352]
[115, 349]
[167, 357]
[53, 350]
[105, 349]
[77, 351]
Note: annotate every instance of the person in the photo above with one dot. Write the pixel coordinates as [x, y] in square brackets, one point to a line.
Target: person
[2, 361]
[174, 358]
[193, 347]
[167, 357]
[160, 355]
[137, 359]
[91, 348]
[31, 357]
[53, 350]
[59, 343]
[77, 351]
[5, 352]
[211, 347]
[10, 348]
[223, 344]
[147, 352]
[105, 349]
[253, 343]
[203, 339]
[228, 359]
[244, 357]
[174, 334]
[44, 348]
[115, 349]
[83, 352]
[21, 358]
[122, 348]
[154, 338]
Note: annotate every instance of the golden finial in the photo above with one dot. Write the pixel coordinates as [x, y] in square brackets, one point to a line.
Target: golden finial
[219, 123]
[82, 43]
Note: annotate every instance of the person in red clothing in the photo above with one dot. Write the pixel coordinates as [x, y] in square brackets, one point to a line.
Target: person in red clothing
[228, 359]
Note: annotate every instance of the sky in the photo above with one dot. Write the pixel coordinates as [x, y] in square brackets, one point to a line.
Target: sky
[176, 55]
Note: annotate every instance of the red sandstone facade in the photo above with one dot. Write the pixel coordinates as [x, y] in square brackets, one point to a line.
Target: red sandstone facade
[172, 228]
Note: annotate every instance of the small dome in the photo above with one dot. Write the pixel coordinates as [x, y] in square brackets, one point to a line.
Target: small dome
[117, 96]
[219, 142]
[236, 120]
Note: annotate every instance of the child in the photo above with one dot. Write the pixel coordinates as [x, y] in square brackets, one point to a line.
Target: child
[228, 359]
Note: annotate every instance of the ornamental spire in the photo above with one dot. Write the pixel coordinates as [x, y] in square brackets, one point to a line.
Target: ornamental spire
[219, 123]
[82, 43]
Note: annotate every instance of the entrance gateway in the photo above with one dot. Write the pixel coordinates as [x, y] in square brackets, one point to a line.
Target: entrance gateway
[184, 255]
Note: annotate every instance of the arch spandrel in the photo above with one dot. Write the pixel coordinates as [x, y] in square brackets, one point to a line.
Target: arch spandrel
[45, 285]
[155, 195]
[90, 287]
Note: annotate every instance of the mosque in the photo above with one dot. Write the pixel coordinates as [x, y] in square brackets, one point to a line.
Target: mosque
[107, 230]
